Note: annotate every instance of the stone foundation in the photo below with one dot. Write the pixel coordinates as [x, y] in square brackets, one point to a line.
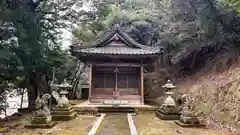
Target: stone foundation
[162, 116]
[63, 114]
[48, 125]
[180, 123]
[40, 122]
[190, 121]
[26, 110]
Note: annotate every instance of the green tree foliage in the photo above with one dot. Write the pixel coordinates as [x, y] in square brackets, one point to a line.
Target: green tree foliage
[187, 29]
[233, 3]
[29, 47]
[131, 15]
[30, 33]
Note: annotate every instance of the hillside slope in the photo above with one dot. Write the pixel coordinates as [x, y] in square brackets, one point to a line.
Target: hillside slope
[215, 94]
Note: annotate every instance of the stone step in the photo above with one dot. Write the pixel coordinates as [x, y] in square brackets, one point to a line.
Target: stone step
[64, 117]
[63, 112]
[48, 125]
[106, 110]
[83, 111]
[116, 110]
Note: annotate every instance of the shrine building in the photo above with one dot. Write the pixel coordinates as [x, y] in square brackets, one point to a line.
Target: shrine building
[116, 67]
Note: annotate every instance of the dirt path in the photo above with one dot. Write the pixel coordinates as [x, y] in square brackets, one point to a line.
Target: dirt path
[114, 124]
[148, 124]
[79, 126]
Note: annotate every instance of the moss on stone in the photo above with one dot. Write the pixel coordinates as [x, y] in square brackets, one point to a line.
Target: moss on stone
[4, 129]
[64, 117]
[39, 120]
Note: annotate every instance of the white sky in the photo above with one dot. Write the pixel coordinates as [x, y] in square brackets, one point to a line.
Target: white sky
[67, 35]
[66, 38]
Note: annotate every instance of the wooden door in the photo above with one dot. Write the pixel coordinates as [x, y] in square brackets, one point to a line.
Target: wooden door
[116, 82]
[103, 82]
[128, 82]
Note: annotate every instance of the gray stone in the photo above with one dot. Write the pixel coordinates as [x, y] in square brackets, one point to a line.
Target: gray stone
[42, 116]
[188, 118]
[168, 110]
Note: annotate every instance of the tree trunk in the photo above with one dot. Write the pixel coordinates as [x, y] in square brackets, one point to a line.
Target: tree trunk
[75, 74]
[32, 96]
[75, 80]
[22, 95]
[38, 82]
[75, 85]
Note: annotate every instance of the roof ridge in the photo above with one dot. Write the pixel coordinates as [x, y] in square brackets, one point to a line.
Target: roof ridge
[107, 35]
[126, 37]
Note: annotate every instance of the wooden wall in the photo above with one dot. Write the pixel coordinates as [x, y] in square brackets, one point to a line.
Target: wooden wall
[104, 81]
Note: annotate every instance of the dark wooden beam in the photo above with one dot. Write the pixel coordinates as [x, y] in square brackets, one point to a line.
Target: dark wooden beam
[117, 64]
[90, 83]
[142, 85]
[109, 56]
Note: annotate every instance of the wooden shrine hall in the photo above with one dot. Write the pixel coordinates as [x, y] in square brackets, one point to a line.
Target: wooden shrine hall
[116, 64]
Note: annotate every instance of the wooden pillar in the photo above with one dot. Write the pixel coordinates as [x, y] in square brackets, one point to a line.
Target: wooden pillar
[80, 92]
[90, 83]
[142, 85]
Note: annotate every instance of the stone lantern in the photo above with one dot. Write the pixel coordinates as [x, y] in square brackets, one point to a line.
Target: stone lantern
[63, 100]
[168, 110]
[63, 111]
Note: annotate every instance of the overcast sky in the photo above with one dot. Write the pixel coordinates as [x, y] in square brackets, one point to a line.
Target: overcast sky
[67, 36]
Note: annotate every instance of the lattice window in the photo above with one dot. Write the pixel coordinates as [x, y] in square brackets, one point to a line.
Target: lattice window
[122, 81]
[109, 80]
[98, 80]
[133, 81]
[105, 77]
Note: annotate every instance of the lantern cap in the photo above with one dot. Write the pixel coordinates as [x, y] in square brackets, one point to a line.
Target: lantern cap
[169, 85]
[65, 84]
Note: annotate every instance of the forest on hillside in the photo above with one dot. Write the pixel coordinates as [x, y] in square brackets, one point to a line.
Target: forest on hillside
[193, 33]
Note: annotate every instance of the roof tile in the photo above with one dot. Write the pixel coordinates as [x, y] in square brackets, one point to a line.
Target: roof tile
[119, 50]
[129, 46]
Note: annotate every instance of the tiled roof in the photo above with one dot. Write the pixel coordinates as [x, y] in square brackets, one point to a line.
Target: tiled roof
[128, 45]
[119, 50]
[117, 29]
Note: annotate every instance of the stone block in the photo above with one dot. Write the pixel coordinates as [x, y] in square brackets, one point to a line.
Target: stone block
[63, 114]
[26, 110]
[167, 116]
[172, 111]
[64, 117]
[4, 129]
[180, 123]
[48, 125]
[62, 108]
[39, 120]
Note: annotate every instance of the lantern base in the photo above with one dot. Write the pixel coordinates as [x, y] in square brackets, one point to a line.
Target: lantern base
[63, 114]
[162, 116]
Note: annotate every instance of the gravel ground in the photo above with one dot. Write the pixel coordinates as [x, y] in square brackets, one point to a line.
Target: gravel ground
[114, 124]
[148, 124]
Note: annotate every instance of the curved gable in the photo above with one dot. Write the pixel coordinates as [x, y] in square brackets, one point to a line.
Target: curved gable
[116, 36]
[117, 42]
